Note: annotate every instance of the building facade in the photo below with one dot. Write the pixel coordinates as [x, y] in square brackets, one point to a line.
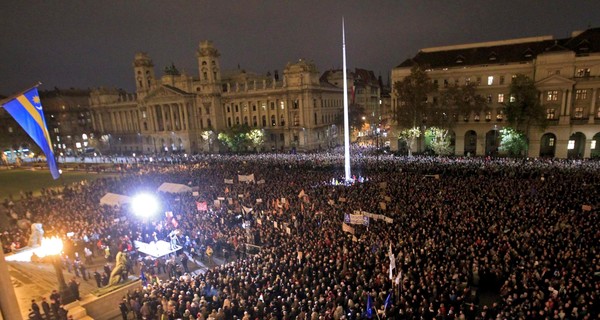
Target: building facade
[566, 72]
[183, 113]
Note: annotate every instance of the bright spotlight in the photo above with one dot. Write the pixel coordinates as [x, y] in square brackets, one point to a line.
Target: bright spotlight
[144, 205]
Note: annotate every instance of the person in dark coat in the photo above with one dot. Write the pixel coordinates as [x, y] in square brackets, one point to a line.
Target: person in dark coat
[74, 287]
[98, 278]
[46, 308]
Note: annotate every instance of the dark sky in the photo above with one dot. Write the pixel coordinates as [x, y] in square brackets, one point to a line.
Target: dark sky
[92, 43]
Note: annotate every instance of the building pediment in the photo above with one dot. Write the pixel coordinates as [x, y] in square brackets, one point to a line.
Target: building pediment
[166, 92]
[554, 81]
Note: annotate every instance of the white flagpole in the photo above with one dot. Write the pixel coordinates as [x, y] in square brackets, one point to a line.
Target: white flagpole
[346, 121]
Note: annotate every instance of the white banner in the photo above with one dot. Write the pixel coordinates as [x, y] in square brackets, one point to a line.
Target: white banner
[246, 178]
[347, 228]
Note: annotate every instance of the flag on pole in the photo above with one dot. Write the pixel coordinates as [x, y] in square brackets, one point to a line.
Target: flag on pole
[388, 301]
[369, 312]
[392, 259]
[26, 108]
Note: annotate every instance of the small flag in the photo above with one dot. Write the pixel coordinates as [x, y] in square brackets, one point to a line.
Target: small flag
[388, 301]
[27, 111]
[201, 206]
[369, 311]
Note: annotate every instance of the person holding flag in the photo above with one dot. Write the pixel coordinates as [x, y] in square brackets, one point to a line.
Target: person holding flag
[26, 109]
[369, 310]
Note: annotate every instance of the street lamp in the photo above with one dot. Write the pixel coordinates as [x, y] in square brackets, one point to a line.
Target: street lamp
[53, 248]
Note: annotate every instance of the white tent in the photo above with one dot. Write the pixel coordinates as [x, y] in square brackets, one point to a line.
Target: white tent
[174, 188]
[113, 199]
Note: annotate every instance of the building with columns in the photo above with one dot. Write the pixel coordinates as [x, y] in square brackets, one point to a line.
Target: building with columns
[183, 113]
[566, 72]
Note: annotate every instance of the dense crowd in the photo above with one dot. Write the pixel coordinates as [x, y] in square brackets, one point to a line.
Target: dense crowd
[471, 238]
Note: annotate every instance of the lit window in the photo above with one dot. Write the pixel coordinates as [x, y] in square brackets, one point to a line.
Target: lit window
[578, 113]
[500, 115]
[593, 144]
[488, 116]
[489, 98]
[552, 95]
[10, 129]
[282, 104]
[490, 80]
[551, 142]
[476, 117]
[550, 114]
[582, 72]
[580, 94]
[512, 98]
[500, 97]
[571, 145]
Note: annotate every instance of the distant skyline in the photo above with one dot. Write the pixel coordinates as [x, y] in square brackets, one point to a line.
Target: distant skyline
[91, 44]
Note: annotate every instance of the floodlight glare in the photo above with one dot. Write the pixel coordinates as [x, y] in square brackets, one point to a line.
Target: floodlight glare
[144, 205]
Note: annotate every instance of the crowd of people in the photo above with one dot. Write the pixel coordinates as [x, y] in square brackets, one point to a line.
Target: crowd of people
[472, 238]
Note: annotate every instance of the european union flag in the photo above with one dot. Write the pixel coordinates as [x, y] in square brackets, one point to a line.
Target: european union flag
[26, 108]
[369, 311]
[388, 301]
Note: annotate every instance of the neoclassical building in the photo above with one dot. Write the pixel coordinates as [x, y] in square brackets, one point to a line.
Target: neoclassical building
[178, 112]
[566, 72]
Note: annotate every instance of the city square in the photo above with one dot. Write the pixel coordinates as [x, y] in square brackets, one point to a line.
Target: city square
[283, 160]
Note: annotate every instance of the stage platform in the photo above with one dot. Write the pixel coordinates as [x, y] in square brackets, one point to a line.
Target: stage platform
[155, 249]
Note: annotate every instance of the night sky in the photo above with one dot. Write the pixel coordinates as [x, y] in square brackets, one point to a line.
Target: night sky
[86, 44]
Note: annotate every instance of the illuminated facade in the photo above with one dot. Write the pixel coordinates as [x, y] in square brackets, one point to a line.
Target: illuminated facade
[565, 71]
[182, 113]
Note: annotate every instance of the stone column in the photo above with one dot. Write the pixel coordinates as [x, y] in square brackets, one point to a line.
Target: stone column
[113, 121]
[587, 148]
[164, 116]
[592, 114]
[569, 98]
[563, 103]
[480, 144]
[459, 145]
[172, 114]
[560, 151]
[9, 305]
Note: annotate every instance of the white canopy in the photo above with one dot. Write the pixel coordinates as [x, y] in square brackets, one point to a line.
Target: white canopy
[174, 188]
[113, 199]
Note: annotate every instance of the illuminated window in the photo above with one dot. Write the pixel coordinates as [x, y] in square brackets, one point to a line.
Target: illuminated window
[552, 95]
[571, 145]
[489, 98]
[500, 97]
[582, 72]
[500, 115]
[512, 98]
[282, 104]
[488, 116]
[490, 80]
[580, 94]
[550, 114]
[578, 114]
[476, 117]
[551, 142]
[593, 144]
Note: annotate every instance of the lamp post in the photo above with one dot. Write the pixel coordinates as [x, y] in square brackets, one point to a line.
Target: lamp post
[54, 248]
